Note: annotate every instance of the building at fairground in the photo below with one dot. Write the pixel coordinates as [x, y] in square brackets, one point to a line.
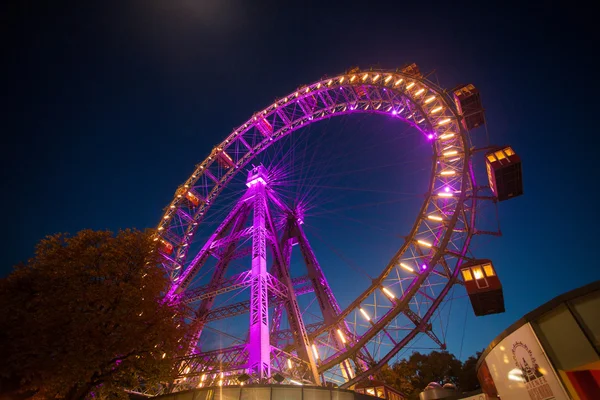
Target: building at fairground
[552, 353]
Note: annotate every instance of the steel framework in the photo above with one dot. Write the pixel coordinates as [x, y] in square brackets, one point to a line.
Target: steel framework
[351, 343]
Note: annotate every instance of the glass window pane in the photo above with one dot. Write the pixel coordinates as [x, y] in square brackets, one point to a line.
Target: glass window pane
[283, 393]
[255, 393]
[489, 271]
[467, 276]
[500, 155]
[316, 394]
[227, 393]
[203, 394]
[509, 151]
[477, 273]
[342, 395]
[587, 310]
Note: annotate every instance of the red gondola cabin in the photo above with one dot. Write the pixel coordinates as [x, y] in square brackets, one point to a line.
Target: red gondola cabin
[504, 173]
[483, 287]
[468, 103]
[412, 70]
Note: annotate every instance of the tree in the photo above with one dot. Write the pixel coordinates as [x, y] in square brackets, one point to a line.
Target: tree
[86, 315]
[412, 375]
[467, 380]
[435, 367]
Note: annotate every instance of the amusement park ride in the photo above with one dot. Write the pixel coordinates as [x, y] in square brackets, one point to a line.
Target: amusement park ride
[347, 345]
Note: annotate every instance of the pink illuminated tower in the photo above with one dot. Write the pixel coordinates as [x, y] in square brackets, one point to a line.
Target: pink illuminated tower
[259, 348]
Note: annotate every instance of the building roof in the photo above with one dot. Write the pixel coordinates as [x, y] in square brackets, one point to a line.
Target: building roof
[538, 312]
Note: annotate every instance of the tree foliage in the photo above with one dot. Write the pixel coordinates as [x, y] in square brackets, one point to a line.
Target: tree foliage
[412, 375]
[85, 316]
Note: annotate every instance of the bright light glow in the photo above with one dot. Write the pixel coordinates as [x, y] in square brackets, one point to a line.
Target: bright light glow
[478, 274]
[435, 217]
[164, 355]
[444, 121]
[424, 267]
[418, 92]
[389, 78]
[295, 382]
[399, 81]
[221, 382]
[255, 181]
[353, 78]
[450, 153]
[187, 370]
[429, 100]
[454, 159]
[444, 194]
[388, 293]
[203, 378]
[410, 85]
[365, 76]
[341, 335]
[406, 267]
[328, 83]
[341, 79]
[166, 217]
[364, 313]
[446, 189]
[421, 120]
[375, 78]
[315, 352]
[447, 136]
[424, 243]
[516, 375]
[437, 109]
[160, 228]
[394, 112]
[289, 363]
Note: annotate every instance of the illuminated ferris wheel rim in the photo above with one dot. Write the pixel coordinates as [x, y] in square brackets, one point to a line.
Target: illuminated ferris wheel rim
[396, 94]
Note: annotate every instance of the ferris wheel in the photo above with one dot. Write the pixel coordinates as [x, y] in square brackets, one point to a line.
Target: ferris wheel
[260, 230]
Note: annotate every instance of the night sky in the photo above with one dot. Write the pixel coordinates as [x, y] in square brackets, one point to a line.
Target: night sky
[108, 106]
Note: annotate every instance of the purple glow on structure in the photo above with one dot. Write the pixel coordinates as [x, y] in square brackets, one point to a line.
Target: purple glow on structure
[430, 136]
[446, 189]
[394, 112]
[424, 267]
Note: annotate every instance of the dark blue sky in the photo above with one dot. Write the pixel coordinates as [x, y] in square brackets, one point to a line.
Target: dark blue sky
[109, 105]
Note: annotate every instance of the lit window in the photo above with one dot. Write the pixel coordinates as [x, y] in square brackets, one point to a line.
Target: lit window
[491, 158]
[467, 275]
[477, 273]
[489, 271]
[509, 151]
[500, 155]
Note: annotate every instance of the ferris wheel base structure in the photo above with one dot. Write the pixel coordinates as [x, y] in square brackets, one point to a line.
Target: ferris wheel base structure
[433, 259]
[274, 392]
